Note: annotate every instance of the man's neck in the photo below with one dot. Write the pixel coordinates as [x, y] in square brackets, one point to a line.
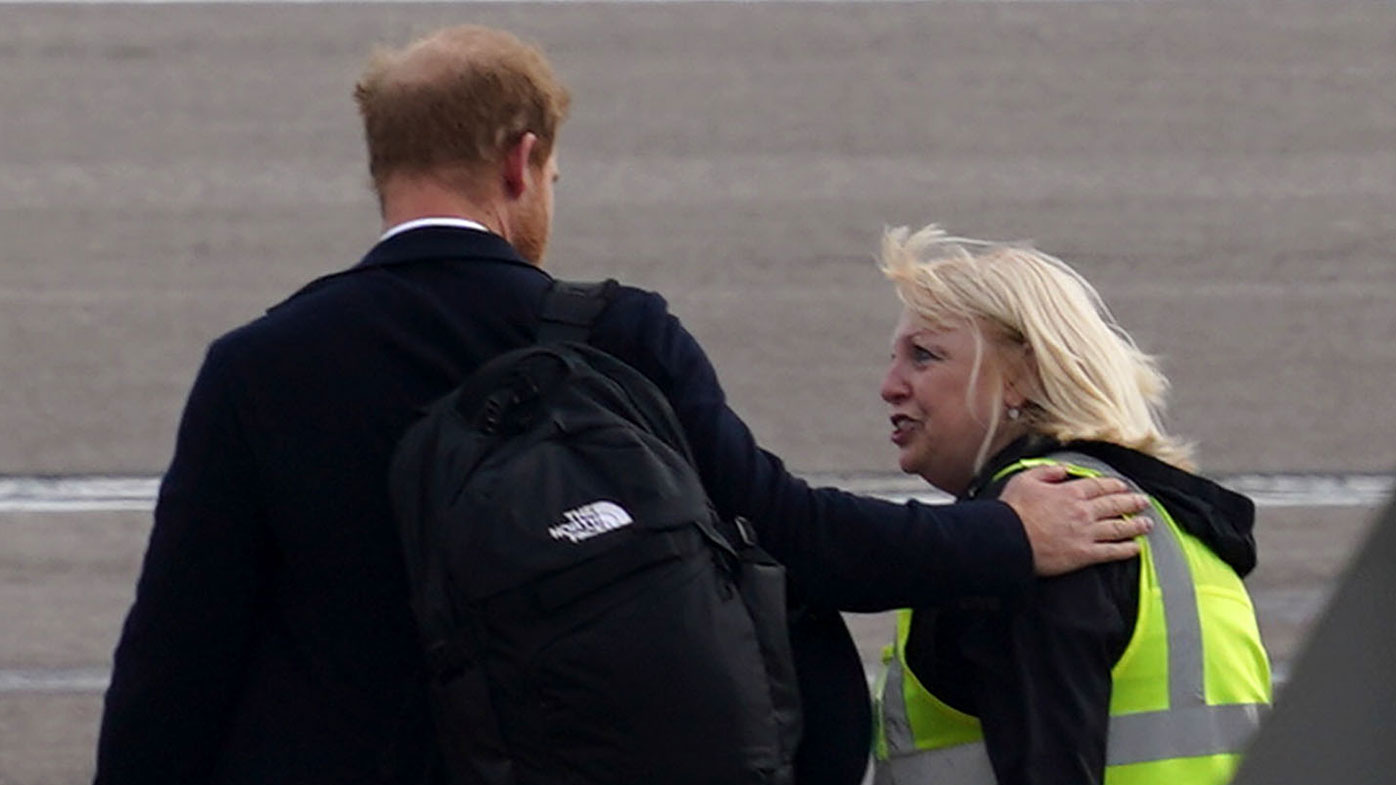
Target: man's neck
[434, 220]
[419, 199]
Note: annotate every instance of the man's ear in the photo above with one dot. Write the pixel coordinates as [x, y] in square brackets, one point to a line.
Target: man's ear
[516, 165]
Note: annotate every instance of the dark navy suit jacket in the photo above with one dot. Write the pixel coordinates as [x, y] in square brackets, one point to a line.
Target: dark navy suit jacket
[271, 638]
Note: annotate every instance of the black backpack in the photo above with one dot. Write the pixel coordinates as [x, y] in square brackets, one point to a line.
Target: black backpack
[586, 616]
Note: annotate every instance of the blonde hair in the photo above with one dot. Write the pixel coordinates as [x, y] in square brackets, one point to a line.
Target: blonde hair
[456, 100]
[1089, 380]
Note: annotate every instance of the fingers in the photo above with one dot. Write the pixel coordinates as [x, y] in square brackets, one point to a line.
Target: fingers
[1096, 487]
[1120, 529]
[1073, 523]
[1118, 505]
[1114, 551]
[1049, 473]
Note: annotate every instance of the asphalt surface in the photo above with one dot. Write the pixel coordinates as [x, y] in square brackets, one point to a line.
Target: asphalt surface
[1225, 173]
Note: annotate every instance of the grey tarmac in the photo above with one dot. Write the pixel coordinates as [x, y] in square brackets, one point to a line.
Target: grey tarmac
[1223, 171]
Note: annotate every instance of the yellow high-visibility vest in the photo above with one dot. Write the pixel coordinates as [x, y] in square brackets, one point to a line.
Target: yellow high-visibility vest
[1186, 695]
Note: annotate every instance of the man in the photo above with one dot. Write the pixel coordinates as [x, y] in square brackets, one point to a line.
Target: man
[271, 638]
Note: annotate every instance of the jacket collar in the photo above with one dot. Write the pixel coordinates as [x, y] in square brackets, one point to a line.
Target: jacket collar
[426, 244]
[429, 243]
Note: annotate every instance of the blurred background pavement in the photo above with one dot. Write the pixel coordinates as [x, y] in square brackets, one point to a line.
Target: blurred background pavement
[1224, 172]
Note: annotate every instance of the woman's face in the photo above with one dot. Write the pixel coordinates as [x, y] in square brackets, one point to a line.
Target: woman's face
[936, 427]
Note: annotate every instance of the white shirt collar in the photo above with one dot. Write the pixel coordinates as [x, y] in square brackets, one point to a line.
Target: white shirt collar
[459, 223]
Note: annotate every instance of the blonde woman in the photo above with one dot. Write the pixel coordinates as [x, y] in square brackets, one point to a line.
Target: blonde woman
[1144, 671]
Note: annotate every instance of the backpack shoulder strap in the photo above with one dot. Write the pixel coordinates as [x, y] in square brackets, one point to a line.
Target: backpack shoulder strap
[570, 308]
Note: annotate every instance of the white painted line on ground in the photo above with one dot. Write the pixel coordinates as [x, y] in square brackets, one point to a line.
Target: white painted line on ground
[80, 494]
[1267, 490]
[101, 494]
[53, 680]
[36, 681]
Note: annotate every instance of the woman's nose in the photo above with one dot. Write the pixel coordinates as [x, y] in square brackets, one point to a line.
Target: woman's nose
[893, 385]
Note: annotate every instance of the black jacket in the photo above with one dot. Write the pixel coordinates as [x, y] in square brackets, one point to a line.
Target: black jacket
[271, 638]
[1035, 668]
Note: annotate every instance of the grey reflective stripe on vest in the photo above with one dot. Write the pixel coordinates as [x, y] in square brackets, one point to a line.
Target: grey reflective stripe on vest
[1185, 668]
[1188, 728]
[1180, 733]
[963, 764]
[896, 728]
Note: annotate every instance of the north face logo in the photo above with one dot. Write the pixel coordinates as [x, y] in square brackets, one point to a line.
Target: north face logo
[590, 520]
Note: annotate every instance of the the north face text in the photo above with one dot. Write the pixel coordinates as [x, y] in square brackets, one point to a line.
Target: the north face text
[590, 520]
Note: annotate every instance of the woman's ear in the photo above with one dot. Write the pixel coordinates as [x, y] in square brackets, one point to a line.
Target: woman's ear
[1012, 397]
[1019, 380]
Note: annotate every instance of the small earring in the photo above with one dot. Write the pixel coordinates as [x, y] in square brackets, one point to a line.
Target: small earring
[1014, 412]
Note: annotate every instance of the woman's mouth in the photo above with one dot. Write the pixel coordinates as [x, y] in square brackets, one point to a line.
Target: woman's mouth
[902, 429]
